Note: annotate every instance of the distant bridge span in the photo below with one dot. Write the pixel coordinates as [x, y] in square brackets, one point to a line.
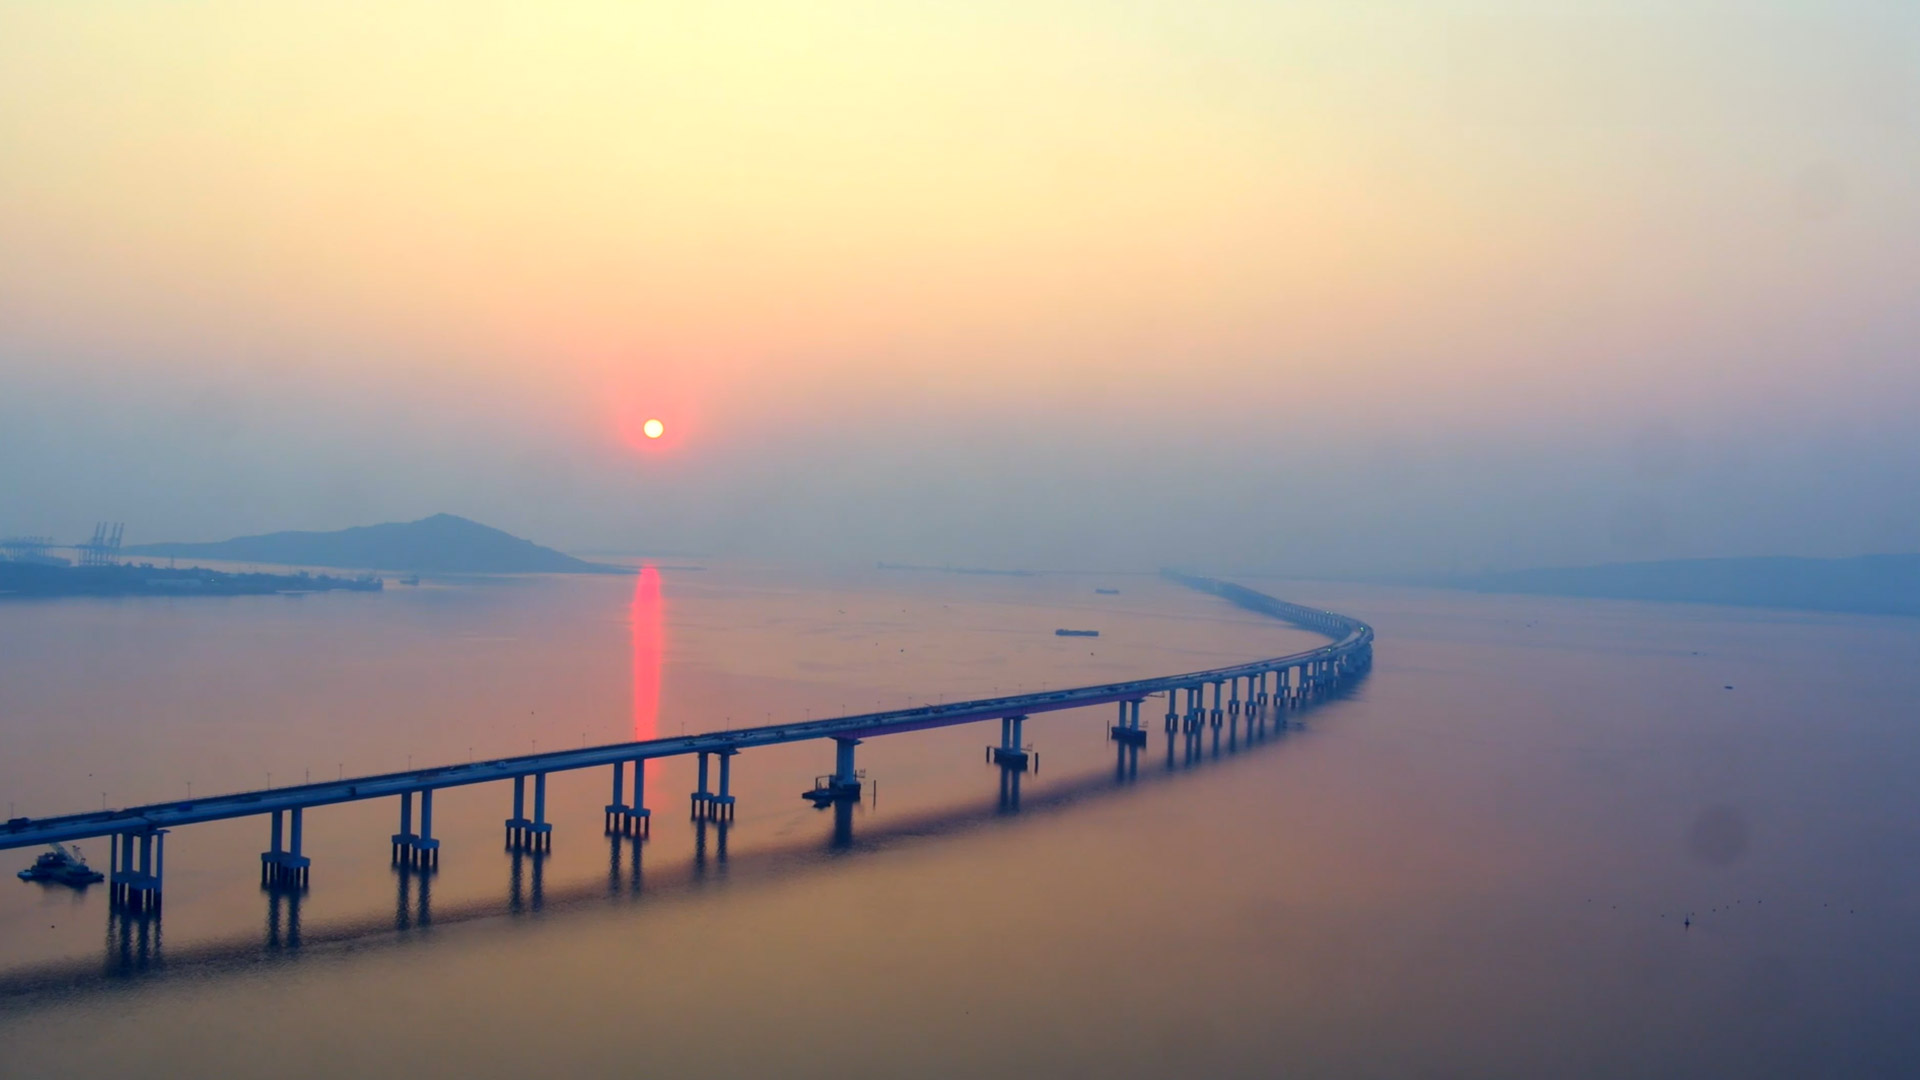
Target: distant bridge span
[138, 833]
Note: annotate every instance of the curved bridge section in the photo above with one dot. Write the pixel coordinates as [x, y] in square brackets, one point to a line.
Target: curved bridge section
[138, 833]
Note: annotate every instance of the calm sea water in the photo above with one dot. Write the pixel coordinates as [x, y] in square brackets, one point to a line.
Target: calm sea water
[1544, 837]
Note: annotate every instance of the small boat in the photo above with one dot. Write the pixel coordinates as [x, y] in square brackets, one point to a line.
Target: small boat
[410, 579]
[1108, 592]
[62, 867]
[1076, 633]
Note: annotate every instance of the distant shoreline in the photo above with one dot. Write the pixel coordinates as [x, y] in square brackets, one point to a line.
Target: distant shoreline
[28, 580]
[1864, 585]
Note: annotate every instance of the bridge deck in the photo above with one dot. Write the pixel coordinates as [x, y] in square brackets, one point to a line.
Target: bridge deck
[1350, 634]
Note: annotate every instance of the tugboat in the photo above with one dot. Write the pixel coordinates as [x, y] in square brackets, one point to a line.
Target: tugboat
[64, 867]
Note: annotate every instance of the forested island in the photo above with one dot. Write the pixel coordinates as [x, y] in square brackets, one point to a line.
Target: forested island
[443, 544]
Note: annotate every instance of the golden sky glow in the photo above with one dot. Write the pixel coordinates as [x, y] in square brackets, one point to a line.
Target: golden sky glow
[562, 219]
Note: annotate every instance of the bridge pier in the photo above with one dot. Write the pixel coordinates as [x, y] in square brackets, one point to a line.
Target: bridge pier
[522, 833]
[716, 807]
[1173, 717]
[844, 784]
[1233, 706]
[635, 820]
[134, 884]
[1128, 730]
[416, 850]
[1012, 752]
[285, 868]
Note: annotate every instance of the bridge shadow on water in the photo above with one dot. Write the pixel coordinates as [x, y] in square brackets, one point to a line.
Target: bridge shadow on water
[133, 955]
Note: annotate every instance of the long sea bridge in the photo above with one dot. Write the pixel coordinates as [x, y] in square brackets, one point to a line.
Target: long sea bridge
[138, 834]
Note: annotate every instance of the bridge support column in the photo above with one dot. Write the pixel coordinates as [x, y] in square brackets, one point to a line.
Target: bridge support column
[635, 820]
[1233, 705]
[542, 832]
[617, 809]
[517, 824]
[1012, 752]
[421, 851]
[844, 784]
[403, 840]
[716, 807]
[134, 881]
[699, 797]
[1173, 712]
[286, 868]
[522, 833]
[1128, 729]
[1216, 713]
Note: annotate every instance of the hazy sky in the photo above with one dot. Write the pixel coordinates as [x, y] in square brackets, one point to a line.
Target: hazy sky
[1314, 287]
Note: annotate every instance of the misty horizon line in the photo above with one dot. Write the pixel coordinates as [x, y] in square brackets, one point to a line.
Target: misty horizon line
[949, 565]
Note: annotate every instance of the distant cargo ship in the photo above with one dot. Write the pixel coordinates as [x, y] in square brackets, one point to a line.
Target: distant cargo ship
[1108, 592]
[1076, 633]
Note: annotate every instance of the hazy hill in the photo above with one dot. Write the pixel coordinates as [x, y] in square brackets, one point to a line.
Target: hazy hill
[1878, 584]
[442, 543]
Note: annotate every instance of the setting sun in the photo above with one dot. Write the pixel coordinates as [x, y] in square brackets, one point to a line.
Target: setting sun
[653, 429]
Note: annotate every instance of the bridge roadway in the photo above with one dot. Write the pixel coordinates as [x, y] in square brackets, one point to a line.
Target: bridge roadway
[1318, 671]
